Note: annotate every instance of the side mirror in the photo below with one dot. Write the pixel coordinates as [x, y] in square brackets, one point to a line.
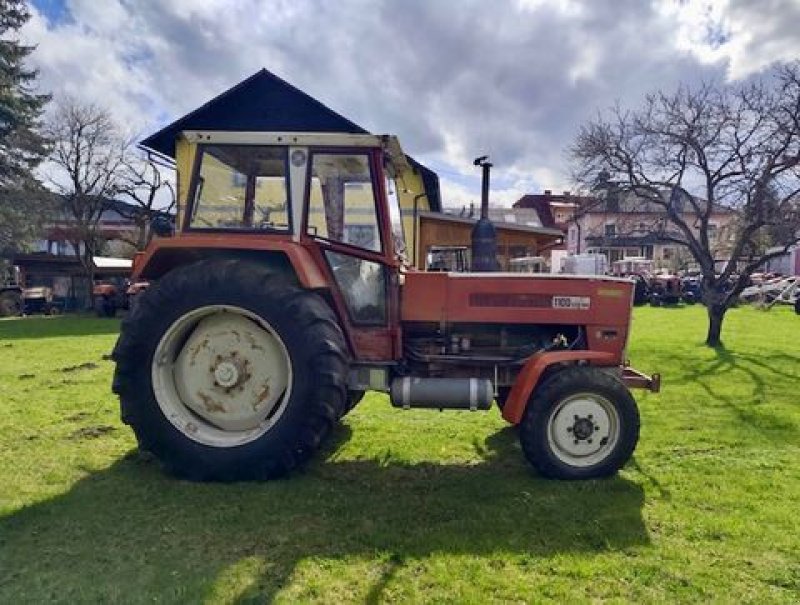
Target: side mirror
[162, 226]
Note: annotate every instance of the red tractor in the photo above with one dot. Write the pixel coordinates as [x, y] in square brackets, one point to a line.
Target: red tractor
[285, 295]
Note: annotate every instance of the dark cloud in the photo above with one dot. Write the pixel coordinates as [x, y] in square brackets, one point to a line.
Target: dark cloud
[513, 78]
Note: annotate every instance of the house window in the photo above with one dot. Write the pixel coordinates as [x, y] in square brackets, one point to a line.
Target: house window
[611, 230]
[667, 253]
[713, 232]
[517, 251]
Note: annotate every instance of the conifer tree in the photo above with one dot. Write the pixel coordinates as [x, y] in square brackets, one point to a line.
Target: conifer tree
[22, 147]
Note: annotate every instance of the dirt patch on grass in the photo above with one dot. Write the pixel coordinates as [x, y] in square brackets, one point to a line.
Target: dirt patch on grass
[26, 376]
[89, 365]
[92, 432]
[78, 417]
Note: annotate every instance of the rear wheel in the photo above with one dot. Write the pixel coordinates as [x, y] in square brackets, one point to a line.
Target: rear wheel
[581, 423]
[227, 372]
[353, 399]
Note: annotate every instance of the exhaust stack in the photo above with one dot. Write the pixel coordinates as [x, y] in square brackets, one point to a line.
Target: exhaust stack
[484, 236]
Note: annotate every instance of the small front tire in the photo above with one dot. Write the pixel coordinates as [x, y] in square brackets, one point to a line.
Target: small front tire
[581, 423]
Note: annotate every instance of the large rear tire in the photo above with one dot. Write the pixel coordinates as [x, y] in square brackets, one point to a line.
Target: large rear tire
[227, 372]
[581, 423]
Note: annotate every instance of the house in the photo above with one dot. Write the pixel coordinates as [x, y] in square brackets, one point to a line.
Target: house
[52, 262]
[555, 211]
[626, 225]
[787, 263]
[519, 233]
[115, 226]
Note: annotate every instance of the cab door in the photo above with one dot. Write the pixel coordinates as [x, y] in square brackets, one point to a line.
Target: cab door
[348, 223]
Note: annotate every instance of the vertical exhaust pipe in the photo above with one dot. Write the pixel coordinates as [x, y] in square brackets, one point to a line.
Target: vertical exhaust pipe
[484, 235]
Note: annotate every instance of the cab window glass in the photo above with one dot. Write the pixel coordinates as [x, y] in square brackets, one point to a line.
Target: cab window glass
[342, 200]
[241, 187]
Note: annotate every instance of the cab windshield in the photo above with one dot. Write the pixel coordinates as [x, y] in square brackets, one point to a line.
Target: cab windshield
[241, 187]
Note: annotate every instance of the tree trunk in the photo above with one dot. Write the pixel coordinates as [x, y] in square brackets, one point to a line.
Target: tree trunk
[716, 314]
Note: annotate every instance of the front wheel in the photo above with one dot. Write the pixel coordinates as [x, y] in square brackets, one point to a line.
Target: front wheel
[227, 372]
[581, 423]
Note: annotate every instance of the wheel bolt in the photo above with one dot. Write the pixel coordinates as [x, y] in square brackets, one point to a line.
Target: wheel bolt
[588, 441]
[577, 442]
[569, 429]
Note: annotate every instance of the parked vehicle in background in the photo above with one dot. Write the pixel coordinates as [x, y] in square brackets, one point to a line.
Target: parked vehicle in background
[528, 264]
[448, 259]
[109, 295]
[10, 292]
[665, 289]
[585, 264]
[39, 300]
[691, 286]
[777, 290]
[632, 265]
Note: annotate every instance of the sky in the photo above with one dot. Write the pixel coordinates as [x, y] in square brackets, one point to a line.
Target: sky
[454, 79]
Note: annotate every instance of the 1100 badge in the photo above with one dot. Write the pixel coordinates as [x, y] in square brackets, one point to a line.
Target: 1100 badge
[571, 302]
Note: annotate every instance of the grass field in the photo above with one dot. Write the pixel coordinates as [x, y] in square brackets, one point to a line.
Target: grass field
[413, 506]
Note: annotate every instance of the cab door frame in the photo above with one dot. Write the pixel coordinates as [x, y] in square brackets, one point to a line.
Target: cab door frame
[368, 342]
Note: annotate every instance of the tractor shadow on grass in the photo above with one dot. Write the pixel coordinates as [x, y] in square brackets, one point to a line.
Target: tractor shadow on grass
[131, 530]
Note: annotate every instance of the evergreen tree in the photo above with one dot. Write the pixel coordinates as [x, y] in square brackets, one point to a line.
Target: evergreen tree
[22, 147]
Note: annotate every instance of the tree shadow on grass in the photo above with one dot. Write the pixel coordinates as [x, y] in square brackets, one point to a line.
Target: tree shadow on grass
[130, 531]
[52, 327]
[758, 371]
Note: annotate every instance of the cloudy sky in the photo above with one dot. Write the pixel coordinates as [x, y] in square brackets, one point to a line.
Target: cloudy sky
[453, 78]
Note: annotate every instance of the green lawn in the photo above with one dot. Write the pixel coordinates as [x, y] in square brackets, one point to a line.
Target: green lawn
[413, 506]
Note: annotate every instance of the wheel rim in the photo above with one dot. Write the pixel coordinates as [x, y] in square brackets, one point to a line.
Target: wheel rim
[221, 375]
[583, 429]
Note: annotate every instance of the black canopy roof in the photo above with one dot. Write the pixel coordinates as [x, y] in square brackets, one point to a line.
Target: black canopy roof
[265, 102]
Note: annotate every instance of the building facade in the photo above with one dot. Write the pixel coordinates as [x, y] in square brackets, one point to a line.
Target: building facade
[632, 227]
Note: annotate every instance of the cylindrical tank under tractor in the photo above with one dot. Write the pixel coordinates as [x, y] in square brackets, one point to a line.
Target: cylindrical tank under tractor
[442, 393]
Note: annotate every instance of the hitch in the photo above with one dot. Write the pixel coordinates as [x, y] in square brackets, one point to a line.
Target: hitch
[634, 379]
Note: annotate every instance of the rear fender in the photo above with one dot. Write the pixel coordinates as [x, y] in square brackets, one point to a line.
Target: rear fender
[291, 260]
[533, 370]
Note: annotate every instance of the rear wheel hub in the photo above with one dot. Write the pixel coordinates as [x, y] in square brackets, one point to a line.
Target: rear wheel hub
[221, 375]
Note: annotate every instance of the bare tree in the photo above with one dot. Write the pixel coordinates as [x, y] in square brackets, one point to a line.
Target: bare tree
[699, 150]
[87, 153]
[150, 194]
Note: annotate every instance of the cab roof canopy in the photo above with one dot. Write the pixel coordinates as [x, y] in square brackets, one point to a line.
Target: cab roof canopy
[266, 103]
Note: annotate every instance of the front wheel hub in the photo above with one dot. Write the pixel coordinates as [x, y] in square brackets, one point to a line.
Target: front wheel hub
[583, 429]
